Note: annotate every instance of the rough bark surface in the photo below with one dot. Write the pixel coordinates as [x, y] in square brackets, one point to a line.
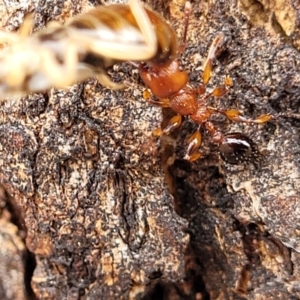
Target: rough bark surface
[97, 209]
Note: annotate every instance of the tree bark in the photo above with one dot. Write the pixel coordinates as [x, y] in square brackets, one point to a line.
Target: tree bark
[98, 209]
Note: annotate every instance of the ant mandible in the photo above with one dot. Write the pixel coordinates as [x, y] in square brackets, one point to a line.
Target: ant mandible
[171, 86]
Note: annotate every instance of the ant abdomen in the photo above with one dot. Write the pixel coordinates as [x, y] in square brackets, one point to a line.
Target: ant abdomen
[236, 148]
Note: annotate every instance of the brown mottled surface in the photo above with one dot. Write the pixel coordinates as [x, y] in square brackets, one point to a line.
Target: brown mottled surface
[89, 183]
[14, 257]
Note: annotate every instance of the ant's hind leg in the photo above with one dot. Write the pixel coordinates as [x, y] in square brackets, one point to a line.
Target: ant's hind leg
[236, 116]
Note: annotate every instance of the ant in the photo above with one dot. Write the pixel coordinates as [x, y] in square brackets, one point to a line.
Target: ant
[86, 45]
[170, 84]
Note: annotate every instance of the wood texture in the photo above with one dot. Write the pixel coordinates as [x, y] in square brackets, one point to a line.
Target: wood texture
[106, 212]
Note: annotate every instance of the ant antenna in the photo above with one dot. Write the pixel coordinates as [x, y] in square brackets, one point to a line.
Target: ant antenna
[187, 14]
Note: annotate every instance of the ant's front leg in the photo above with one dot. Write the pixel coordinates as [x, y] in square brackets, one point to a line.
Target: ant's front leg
[175, 121]
[163, 102]
[194, 143]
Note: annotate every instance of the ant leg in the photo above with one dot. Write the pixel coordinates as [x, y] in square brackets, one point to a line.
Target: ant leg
[207, 70]
[14, 62]
[187, 14]
[236, 116]
[221, 90]
[164, 102]
[194, 143]
[218, 92]
[207, 67]
[174, 123]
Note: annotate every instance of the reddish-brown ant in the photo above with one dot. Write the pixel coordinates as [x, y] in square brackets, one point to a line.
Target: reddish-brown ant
[60, 55]
[171, 86]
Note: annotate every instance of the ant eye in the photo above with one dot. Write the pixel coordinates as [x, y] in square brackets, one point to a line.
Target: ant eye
[237, 148]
